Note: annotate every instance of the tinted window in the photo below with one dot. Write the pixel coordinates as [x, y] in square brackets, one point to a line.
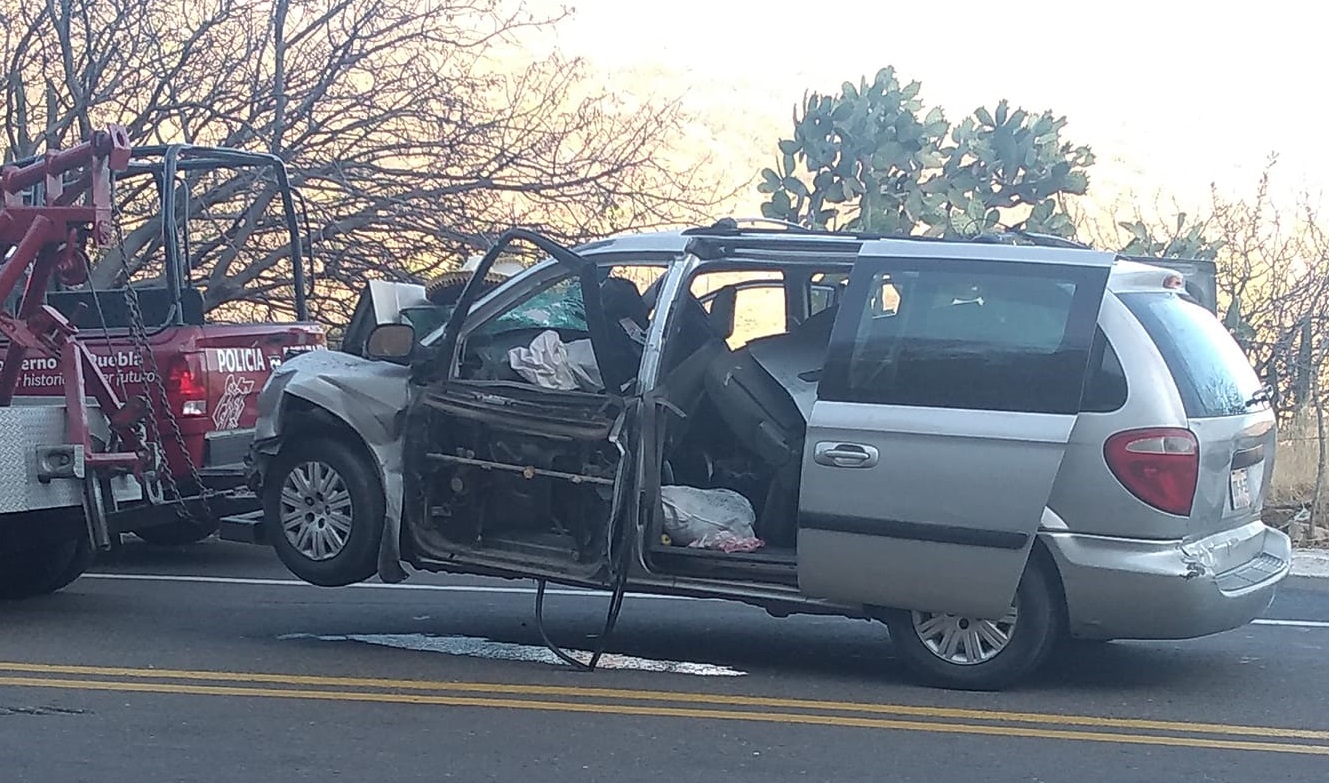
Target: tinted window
[986, 336]
[1213, 375]
[1105, 391]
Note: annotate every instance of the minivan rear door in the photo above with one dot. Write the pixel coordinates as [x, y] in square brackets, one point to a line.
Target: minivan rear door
[951, 385]
[1227, 406]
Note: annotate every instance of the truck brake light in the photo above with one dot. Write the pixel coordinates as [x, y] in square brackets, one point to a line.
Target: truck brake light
[185, 386]
[1159, 465]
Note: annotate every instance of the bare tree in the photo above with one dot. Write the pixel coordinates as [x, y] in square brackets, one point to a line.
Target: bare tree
[404, 123]
[1274, 273]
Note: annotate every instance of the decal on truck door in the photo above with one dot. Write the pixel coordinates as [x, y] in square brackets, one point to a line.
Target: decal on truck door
[232, 403]
[241, 360]
[41, 375]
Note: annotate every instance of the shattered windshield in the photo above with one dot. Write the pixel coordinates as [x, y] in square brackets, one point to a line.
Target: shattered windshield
[559, 306]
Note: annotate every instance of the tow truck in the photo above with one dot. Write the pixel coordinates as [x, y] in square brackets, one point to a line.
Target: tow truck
[127, 407]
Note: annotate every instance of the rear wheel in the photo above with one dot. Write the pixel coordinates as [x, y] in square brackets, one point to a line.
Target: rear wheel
[29, 568]
[970, 653]
[323, 507]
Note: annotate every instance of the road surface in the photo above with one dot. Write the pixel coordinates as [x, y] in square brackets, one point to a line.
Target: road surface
[209, 663]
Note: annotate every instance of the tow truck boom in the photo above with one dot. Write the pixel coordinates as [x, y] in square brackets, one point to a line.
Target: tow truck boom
[48, 239]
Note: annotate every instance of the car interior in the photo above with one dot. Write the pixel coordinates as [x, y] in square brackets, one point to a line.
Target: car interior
[512, 468]
[744, 406]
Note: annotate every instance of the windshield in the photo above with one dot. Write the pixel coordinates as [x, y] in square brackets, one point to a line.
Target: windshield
[1212, 373]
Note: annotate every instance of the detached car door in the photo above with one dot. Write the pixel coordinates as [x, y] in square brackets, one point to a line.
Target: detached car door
[950, 389]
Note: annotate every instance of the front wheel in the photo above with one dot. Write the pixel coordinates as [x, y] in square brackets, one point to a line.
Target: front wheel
[968, 653]
[323, 508]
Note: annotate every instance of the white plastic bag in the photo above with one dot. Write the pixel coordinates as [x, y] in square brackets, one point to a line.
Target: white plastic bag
[709, 518]
[553, 364]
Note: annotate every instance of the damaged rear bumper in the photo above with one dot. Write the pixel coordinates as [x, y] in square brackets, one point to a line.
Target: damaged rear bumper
[1119, 588]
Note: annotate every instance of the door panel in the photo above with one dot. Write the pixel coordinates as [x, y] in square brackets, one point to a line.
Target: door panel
[503, 472]
[947, 400]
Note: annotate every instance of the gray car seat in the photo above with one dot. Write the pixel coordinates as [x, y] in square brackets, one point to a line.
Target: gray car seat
[768, 424]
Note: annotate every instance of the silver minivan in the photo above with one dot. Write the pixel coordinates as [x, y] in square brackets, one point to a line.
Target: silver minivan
[989, 446]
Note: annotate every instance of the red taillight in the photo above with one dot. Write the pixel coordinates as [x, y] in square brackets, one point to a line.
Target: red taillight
[186, 387]
[1159, 466]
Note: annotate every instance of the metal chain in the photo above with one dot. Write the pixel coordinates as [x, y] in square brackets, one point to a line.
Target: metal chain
[152, 374]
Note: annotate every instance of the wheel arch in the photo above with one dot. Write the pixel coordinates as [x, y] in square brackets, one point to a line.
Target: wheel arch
[379, 445]
[300, 416]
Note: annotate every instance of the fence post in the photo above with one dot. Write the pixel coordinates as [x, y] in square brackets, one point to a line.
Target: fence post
[1318, 495]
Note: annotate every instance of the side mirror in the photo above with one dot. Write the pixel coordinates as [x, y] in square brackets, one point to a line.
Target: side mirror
[391, 343]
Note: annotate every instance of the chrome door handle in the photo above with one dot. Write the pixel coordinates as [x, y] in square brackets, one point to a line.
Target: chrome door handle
[845, 455]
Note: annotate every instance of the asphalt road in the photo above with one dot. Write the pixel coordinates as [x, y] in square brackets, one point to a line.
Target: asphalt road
[208, 663]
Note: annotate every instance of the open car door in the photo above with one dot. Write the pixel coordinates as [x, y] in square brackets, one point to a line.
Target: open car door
[950, 389]
[514, 472]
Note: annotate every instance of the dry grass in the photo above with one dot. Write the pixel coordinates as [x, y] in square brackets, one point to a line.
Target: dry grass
[1296, 464]
[1290, 496]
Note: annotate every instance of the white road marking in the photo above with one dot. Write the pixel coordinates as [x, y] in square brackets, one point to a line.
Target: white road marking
[478, 647]
[1293, 623]
[487, 589]
[240, 580]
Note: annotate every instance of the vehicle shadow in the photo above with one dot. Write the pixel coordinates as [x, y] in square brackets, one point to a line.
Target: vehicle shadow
[210, 554]
[844, 652]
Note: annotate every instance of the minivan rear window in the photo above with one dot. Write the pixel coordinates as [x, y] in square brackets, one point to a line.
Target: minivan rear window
[1212, 373]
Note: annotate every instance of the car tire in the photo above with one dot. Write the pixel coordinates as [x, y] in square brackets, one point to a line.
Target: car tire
[42, 569]
[335, 541]
[84, 556]
[1031, 635]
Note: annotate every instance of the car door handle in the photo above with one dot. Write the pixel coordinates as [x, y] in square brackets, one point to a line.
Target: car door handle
[845, 455]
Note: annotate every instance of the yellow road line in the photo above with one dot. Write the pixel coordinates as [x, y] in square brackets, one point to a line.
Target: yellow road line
[951, 713]
[645, 710]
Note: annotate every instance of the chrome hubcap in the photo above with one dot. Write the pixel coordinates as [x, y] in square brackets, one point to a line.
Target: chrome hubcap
[316, 510]
[964, 640]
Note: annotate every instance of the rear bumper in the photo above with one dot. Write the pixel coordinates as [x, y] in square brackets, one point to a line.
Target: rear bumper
[1119, 588]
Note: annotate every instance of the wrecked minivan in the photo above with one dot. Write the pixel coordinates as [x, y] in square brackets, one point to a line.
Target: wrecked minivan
[989, 446]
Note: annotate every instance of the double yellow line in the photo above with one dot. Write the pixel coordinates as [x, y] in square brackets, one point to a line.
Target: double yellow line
[671, 704]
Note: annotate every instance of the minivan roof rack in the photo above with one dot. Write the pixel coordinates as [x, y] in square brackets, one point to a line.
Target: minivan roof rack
[729, 226]
[1008, 235]
[752, 221]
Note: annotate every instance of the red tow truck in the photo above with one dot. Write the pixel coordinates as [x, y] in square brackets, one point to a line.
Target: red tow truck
[165, 388]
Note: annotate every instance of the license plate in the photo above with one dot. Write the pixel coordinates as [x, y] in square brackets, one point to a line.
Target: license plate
[1240, 484]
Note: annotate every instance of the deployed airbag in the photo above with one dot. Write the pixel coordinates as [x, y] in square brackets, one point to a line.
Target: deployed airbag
[553, 364]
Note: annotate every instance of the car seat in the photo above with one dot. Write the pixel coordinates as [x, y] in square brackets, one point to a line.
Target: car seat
[628, 318]
[766, 423]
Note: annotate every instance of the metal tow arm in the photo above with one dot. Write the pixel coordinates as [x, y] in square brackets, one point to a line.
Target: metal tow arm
[46, 239]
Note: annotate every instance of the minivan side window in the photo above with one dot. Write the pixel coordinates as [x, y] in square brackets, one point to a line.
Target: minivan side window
[982, 335]
[1105, 390]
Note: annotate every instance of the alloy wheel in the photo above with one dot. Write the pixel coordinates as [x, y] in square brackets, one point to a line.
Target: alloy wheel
[964, 640]
[316, 510]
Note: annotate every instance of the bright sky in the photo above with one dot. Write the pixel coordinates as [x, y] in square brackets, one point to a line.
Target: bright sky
[1171, 95]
